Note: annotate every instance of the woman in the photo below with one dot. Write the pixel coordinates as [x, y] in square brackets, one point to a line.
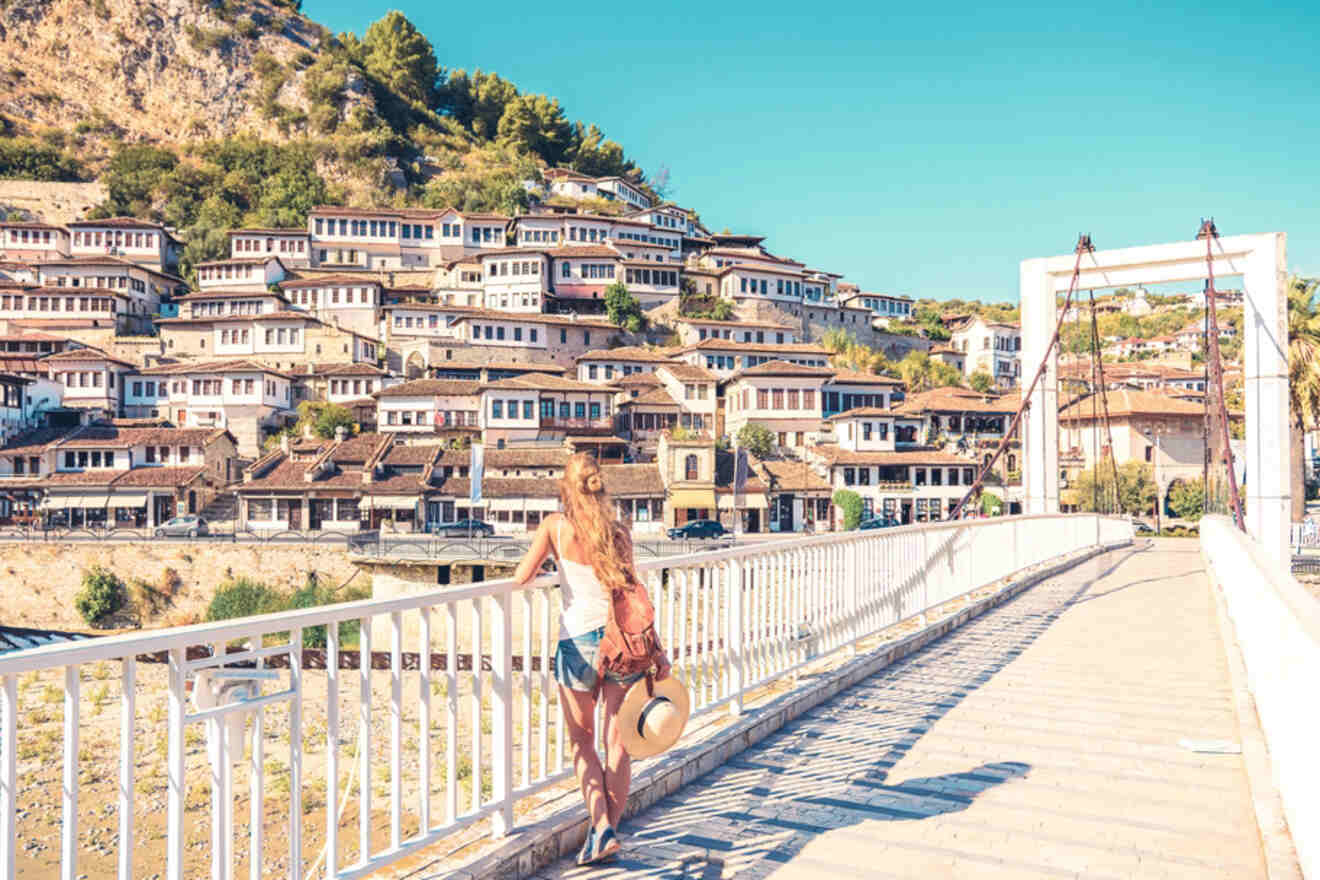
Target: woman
[595, 556]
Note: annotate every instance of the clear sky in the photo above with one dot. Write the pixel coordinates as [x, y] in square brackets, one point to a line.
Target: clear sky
[927, 148]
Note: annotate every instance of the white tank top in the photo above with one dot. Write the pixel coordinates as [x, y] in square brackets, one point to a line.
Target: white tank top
[586, 606]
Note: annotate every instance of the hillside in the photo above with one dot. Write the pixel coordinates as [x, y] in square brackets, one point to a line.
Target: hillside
[212, 113]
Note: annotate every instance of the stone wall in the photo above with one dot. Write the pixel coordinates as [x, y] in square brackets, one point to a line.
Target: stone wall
[51, 202]
[39, 580]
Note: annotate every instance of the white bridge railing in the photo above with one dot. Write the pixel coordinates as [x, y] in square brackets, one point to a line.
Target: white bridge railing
[350, 767]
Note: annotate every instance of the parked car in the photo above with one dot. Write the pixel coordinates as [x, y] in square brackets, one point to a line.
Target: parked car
[878, 522]
[189, 526]
[1143, 528]
[698, 528]
[464, 528]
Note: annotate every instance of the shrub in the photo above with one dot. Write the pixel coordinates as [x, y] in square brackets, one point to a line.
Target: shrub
[28, 159]
[102, 595]
[851, 504]
[243, 597]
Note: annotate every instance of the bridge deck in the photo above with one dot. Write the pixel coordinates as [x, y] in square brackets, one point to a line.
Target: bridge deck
[1039, 741]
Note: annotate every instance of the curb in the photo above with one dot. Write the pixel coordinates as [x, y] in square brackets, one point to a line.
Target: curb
[532, 847]
[1281, 862]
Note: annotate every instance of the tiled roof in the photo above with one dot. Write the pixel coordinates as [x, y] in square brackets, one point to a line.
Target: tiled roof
[34, 441]
[654, 397]
[626, 353]
[1126, 403]
[959, 400]
[869, 411]
[632, 479]
[637, 380]
[225, 366]
[83, 354]
[264, 230]
[123, 222]
[326, 280]
[784, 368]
[545, 382]
[99, 435]
[429, 387]
[579, 251]
[853, 377]
[411, 455]
[793, 476]
[688, 372]
[159, 477]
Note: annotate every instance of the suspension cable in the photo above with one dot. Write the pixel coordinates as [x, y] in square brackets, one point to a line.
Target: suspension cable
[1210, 234]
[1083, 247]
[1099, 364]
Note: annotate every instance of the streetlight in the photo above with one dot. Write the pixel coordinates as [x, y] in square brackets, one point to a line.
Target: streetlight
[1149, 433]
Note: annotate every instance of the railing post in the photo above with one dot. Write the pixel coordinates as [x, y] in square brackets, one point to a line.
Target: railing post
[925, 577]
[854, 586]
[177, 709]
[735, 638]
[8, 776]
[501, 722]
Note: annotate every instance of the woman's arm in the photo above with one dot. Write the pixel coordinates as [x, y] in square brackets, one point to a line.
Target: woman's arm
[530, 566]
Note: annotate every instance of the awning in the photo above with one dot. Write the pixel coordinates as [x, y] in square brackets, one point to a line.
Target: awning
[744, 501]
[702, 499]
[59, 502]
[128, 499]
[392, 502]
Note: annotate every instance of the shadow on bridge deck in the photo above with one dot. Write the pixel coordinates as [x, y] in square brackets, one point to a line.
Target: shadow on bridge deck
[1039, 740]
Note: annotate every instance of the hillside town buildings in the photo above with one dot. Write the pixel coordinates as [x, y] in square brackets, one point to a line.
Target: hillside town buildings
[443, 331]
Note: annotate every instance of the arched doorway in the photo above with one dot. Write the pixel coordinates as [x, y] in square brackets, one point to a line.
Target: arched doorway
[415, 366]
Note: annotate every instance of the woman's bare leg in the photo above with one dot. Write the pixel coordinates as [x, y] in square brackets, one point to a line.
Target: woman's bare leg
[618, 763]
[580, 719]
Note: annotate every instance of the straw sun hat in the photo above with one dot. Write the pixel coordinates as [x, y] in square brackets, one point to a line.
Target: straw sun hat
[652, 722]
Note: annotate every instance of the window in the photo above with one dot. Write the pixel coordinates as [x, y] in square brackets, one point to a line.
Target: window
[849, 476]
[690, 468]
[527, 409]
[497, 409]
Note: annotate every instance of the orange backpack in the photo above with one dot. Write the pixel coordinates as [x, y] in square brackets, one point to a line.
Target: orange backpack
[630, 645]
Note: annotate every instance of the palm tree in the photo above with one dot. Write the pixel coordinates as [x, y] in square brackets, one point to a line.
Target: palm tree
[1303, 379]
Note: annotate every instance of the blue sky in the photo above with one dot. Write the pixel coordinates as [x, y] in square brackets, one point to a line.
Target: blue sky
[928, 148]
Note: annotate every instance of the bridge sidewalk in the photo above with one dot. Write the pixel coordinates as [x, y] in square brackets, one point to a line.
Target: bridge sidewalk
[1040, 740]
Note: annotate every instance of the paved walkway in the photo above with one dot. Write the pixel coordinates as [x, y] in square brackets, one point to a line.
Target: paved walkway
[1041, 740]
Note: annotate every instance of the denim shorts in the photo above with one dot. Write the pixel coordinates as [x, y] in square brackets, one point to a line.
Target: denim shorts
[575, 662]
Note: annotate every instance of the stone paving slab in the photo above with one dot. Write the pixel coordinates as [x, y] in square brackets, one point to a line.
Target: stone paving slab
[1040, 740]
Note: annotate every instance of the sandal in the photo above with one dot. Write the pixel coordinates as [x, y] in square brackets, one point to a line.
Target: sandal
[586, 854]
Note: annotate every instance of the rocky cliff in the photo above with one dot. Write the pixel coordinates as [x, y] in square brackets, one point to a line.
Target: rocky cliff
[158, 70]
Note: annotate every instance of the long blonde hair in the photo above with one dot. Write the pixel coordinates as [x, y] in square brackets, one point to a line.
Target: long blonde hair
[591, 513]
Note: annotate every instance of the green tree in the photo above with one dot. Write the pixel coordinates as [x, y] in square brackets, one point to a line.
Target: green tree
[920, 372]
[623, 309]
[1136, 489]
[991, 504]
[1303, 379]
[131, 176]
[27, 159]
[102, 594]
[537, 124]
[321, 418]
[981, 381]
[1187, 499]
[851, 504]
[722, 310]
[401, 58]
[756, 439]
